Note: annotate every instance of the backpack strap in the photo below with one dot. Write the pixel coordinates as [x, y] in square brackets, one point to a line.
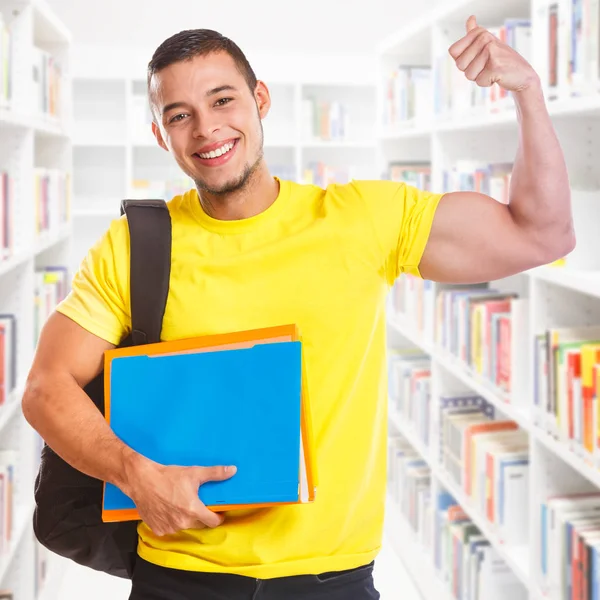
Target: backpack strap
[150, 234]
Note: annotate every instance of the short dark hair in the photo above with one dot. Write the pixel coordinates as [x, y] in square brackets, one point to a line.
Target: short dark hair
[190, 43]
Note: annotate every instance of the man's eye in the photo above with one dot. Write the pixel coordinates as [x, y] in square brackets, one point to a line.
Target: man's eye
[176, 118]
[223, 101]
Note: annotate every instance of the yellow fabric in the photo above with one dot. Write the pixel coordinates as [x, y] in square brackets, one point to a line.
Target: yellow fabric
[323, 259]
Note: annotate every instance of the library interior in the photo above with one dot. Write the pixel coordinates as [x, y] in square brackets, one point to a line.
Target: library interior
[483, 401]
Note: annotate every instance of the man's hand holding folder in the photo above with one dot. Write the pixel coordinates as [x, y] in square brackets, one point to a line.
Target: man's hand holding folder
[167, 496]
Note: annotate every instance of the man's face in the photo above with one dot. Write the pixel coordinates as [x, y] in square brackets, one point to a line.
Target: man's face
[210, 120]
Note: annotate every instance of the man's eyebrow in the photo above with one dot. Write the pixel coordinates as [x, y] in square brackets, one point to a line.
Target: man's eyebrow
[221, 88]
[213, 92]
[172, 106]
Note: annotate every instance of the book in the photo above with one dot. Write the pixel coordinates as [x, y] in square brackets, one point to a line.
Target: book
[167, 401]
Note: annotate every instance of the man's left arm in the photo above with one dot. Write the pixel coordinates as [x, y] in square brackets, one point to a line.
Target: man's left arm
[473, 237]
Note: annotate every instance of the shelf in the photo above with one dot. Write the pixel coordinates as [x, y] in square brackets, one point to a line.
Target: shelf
[502, 117]
[48, 242]
[586, 282]
[516, 557]
[22, 523]
[98, 143]
[6, 266]
[42, 126]
[9, 410]
[462, 372]
[558, 448]
[95, 212]
[47, 26]
[365, 144]
[591, 473]
[10, 118]
[46, 126]
[418, 564]
[407, 130]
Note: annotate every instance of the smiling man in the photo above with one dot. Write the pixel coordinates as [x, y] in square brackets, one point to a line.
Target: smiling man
[250, 251]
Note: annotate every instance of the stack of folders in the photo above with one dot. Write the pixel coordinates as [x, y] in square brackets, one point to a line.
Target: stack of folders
[227, 399]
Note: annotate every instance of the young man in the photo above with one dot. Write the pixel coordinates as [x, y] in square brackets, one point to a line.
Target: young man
[252, 251]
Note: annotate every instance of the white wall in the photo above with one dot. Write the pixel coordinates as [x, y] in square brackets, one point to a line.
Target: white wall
[259, 26]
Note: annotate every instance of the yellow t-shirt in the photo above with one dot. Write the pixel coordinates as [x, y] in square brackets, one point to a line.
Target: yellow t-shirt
[324, 260]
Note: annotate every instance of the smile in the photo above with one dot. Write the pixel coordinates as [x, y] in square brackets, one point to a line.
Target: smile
[217, 152]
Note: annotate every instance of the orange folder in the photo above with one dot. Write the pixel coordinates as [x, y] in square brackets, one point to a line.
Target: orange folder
[216, 343]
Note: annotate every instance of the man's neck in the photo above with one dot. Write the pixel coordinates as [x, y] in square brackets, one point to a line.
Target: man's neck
[254, 198]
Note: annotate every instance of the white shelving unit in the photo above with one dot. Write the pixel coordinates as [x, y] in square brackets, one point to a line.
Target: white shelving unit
[114, 145]
[30, 138]
[556, 296]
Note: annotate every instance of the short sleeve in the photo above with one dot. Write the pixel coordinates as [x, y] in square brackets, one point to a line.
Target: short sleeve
[99, 296]
[402, 217]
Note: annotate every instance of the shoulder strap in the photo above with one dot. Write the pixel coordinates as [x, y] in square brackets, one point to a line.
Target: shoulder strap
[149, 266]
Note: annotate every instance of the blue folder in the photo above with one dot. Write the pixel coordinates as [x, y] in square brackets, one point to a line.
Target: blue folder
[237, 407]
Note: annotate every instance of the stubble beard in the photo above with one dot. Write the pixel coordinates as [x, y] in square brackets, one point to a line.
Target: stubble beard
[239, 182]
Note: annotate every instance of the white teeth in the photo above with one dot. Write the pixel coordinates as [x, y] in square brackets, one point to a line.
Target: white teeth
[218, 152]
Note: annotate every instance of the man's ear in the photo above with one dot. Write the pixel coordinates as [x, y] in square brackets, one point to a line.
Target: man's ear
[158, 136]
[263, 98]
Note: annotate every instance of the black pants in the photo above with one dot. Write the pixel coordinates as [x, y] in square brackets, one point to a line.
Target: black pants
[151, 582]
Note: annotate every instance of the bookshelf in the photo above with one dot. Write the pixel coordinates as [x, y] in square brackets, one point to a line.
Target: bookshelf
[315, 131]
[466, 139]
[35, 235]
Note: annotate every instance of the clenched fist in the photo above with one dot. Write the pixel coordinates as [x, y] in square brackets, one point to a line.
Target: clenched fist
[486, 60]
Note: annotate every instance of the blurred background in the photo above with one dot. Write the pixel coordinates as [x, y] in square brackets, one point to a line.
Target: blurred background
[494, 428]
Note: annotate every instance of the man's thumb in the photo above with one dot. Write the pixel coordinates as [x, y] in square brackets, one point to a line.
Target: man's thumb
[216, 473]
[471, 23]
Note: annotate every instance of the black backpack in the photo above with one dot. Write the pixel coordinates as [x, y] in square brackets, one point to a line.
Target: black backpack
[68, 517]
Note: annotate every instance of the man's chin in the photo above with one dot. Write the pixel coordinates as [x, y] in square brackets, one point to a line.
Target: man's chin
[220, 188]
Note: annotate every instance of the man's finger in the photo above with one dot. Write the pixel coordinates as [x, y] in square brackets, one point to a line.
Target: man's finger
[471, 23]
[218, 473]
[476, 67]
[207, 516]
[461, 45]
[474, 50]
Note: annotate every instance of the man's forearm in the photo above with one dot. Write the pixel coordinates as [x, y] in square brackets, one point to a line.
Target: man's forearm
[540, 199]
[74, 428]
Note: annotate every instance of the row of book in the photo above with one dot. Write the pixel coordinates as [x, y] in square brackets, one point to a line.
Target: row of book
[6, 77]
[475, 324]
[52, 198]
[7, 241]
[160, 188]
[283, 171]
[408, 95]
[455, 94]
[473, 176]
[570, 33]
[8, 356]
[460, 555]
[47, 83]
[409, 389]
[51, 285]
[323, 120]
[486, 456]
[322, 174]
[8, 463]
[415, 174]
[570, 546]
[566, 383]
